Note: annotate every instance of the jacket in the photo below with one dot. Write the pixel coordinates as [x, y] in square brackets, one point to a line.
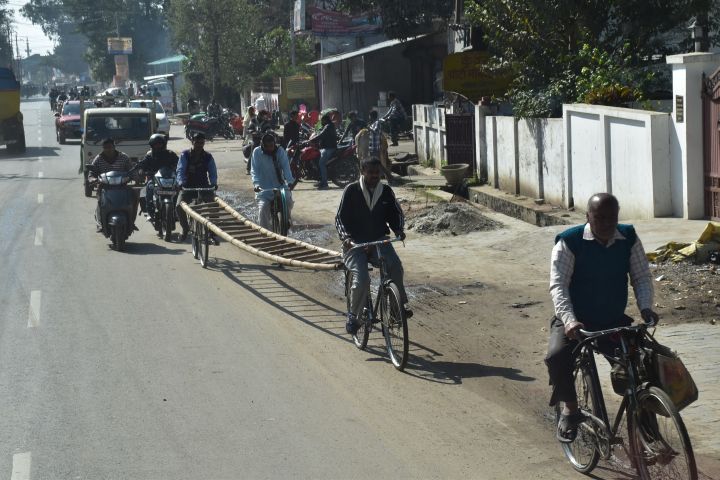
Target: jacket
[192, 173]
[152, 163]
[355, 220]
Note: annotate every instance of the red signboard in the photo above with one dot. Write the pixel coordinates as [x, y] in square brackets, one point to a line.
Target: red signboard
[329, 23]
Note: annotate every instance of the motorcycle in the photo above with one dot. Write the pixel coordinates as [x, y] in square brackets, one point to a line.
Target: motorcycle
[165, 194]
[343, 167]
[210, 126]
[115, 212]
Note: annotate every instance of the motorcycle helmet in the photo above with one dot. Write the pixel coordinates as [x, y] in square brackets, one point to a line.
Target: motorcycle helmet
[157, 138]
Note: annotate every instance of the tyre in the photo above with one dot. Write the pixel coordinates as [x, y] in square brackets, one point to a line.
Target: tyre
[659, 440]
[61, 138]
[344, 171]
[168, 221]
[19, 146]
[194, 238]
[361, 336]
[117, 234]
[584, 452]
[203, 244]
[395, 326]
[87, 188]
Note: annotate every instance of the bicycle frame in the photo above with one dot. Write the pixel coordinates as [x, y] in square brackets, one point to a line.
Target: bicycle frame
[627, 359]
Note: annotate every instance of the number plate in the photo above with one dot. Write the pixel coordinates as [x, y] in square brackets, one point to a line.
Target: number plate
[165, 192]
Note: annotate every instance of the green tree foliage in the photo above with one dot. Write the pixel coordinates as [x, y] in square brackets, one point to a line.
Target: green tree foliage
[143, 20]
[6, 16]
[570, 50]
[403, 18]
[253, 44]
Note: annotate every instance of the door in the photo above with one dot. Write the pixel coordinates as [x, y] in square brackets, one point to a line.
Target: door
[711, 144]
[460, 140]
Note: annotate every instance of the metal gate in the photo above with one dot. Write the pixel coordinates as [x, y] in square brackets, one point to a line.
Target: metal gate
[460, 140]
[711, 144]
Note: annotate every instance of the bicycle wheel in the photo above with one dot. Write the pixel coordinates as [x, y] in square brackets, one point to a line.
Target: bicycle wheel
[284, 215]
[395, 326]
[194, 238]
[203, 244]
[584, 452]
[659, 440]
[361, 336]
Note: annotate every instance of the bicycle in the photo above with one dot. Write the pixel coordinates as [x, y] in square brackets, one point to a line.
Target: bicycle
[199, 233]
[279, 210]
[387, 309]
[658, 444]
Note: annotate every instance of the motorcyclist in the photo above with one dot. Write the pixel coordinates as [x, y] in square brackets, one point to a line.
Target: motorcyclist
[110, 160]
[214, 109]
[156, 158]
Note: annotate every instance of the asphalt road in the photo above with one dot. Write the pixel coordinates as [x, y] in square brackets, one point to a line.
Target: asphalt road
[142, 365]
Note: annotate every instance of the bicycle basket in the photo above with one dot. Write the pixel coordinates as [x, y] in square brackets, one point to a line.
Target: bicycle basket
[669, 373]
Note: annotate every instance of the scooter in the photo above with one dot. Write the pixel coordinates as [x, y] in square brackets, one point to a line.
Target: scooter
[165, 194]
[116, 208]
[343, 168]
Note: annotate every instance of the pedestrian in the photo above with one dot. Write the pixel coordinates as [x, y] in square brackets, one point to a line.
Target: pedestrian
[327, 141]
[396, 116]
[291, 129]
[589, 273]
[371, 142]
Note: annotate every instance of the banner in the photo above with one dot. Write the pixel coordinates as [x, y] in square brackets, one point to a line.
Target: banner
[329, 23]
[119, 45]
[299, 87]
[299, 16]
[465, 73]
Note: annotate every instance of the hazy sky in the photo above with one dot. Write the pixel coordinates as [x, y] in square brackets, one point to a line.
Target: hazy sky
[39, 43]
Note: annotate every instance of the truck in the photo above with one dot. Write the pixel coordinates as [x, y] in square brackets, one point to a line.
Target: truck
[12, 131]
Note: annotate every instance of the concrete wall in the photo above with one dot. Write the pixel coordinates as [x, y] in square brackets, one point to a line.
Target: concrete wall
[622, 151]
[429, 134]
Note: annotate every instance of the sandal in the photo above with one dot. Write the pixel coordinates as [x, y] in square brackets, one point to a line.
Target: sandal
[567, 427]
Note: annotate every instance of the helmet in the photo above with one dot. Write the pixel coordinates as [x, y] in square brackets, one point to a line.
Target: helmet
[157, 138]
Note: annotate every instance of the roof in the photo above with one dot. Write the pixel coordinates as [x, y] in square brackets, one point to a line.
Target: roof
[363, 51]
[158, 77]
[173, 59]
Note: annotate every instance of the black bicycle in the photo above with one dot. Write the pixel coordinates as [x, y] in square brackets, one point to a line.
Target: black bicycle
[387, 309]
[199, 232]
[657, 443]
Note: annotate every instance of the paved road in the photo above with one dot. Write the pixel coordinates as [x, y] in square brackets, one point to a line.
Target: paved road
[142, 365]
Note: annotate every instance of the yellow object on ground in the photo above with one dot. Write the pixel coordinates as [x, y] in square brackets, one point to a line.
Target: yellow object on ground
[698, 251]
[9, 103]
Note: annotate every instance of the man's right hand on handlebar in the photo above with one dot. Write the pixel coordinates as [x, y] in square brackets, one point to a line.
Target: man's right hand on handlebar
[572, 330]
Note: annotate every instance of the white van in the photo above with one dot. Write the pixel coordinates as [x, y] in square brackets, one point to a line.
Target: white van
[131, 129]
[165, 93]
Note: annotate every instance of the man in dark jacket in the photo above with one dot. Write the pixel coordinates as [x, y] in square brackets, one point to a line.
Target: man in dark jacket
[327, 140]
[291, 130]
[196, 169]
[158, 157]
[366, 210]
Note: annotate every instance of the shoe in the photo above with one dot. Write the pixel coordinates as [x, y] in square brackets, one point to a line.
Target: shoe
[352, 325]
[568, 426]
[323, 187]
[408, 313]
[214, 240]
[183, 235]
[394, 144]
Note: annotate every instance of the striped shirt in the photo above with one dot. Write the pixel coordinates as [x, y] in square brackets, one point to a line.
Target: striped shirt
[562, 265]
[121, 163]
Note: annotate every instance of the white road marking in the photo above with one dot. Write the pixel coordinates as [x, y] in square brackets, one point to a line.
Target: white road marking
[34, 314]
[38, 236]
[41, 198]
[21, 466]
[40, 159]
[40, 174]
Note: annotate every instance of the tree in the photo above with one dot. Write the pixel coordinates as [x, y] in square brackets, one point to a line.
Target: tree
[143, 20]
[542, 42]
[6, 50]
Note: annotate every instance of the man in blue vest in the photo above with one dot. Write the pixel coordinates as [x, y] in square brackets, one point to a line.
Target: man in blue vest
[196, 169]
[589, 274]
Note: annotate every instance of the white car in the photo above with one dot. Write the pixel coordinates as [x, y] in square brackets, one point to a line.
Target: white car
[163, 123]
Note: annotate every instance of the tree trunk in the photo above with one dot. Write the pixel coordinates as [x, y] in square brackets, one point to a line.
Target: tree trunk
[215, 66]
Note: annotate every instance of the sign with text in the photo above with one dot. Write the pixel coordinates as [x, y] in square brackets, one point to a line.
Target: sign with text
[679, 108]
[119, 45]
[466, 73]
[329, 23]
[299, 87]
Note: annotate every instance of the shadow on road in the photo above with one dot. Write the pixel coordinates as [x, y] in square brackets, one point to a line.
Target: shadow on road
[30, 153]
[263, 282]
[139, 248]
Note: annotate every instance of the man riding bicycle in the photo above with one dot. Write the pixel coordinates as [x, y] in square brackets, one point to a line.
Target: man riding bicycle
[196, 169]
[270, 170]
[366, 210]
[158, 157]
[589, 274]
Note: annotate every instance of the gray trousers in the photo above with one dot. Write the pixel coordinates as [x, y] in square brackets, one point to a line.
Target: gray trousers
[265, 215]
[357, 262]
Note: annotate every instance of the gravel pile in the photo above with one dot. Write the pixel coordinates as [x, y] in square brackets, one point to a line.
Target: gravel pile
[450, 219]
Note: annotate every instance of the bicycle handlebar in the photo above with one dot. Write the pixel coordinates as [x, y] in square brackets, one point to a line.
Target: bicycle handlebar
[376, 243]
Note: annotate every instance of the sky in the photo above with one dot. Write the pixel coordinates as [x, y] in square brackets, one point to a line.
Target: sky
[39, 43]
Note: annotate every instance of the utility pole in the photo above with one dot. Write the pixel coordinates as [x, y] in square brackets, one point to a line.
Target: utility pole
[27, 47]
[17, 56]
[292, 39]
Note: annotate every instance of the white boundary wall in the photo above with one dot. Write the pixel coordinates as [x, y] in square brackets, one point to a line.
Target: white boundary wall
[565, 160]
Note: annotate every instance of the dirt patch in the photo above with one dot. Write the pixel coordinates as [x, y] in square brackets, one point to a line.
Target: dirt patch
[449, 219]
[685, 292]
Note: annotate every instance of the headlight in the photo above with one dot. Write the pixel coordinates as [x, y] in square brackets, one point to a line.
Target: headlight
[166, 182]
